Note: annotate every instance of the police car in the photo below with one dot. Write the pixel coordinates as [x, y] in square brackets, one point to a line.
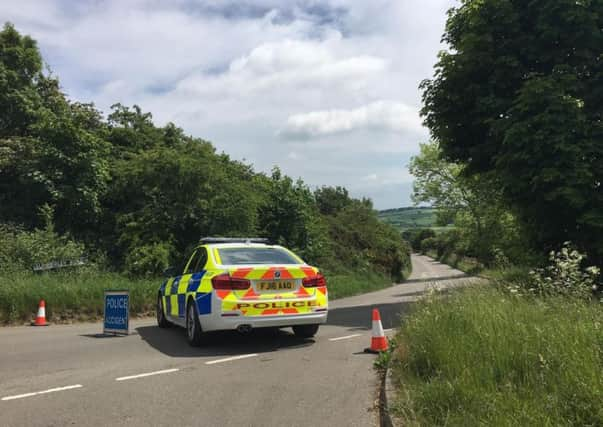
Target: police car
[240, 284]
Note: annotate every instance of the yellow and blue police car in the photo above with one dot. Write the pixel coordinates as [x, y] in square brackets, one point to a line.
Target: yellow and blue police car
[240, 284]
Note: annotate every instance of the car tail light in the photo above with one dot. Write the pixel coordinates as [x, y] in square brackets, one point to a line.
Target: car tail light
[315, 281]
[224, 281]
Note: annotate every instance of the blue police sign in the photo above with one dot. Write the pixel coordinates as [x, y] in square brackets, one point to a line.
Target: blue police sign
[117, 312]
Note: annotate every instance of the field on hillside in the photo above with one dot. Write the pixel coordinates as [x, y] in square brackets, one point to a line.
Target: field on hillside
[404, 218]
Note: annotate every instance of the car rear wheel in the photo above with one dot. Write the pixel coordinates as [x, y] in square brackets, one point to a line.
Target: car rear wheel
[305, 331]
[194, 334]
[162, 322]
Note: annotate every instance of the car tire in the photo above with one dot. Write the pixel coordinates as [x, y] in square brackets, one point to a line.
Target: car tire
[305, 331]
[194, 333]
[162, 321]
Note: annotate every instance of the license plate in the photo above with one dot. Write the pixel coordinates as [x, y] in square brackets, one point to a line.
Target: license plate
[275, 286]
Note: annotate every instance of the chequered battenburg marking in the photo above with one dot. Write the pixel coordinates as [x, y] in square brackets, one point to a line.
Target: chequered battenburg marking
[175, 284]
[181, 305]
[203, 302]
[195, 281]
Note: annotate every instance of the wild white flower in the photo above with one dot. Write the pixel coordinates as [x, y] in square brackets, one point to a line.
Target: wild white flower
[565, 275]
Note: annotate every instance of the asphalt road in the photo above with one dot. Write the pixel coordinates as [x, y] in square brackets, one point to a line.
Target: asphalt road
[72, 375]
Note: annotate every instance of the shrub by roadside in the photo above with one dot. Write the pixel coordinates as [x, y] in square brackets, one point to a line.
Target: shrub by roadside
[21, 249]
[463, 263]
[483, 356]
[565, 275]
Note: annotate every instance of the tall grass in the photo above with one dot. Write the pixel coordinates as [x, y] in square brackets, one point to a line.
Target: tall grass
[69, 295]
[482, 357]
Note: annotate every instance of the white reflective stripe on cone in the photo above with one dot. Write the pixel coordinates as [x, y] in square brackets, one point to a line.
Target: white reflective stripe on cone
[377, 329]
[41, 312]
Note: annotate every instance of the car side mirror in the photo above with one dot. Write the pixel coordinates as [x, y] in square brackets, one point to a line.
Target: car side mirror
[169, 272]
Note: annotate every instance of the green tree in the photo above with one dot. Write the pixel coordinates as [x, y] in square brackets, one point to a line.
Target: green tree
[287, 211]
[518, 94]
[175, 195]
[51, 149]
[331, 200]
[360, 241]
[20, 72]
[132, 130]
[473, 200]
[415, 236]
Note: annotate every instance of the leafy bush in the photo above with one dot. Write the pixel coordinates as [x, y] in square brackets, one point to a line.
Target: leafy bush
[429, 244]
[444, 243]
[360, 242]
[21, 249]
[416, 236]
[447, 243]
[148, 260]
[565, 275]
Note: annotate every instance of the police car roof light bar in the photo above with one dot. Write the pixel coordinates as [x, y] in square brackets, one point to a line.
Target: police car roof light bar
[205, 240]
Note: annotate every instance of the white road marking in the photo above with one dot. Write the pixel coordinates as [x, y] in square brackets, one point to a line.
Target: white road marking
[388, 330]
[147, 374]
[228, 359]
[345, 338]
[52, 390]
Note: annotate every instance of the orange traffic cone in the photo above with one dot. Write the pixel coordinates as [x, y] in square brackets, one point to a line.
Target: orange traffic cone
[378, 340]
[41, 317]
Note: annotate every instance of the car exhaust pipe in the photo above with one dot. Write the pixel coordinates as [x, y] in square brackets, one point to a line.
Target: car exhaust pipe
[244, 329]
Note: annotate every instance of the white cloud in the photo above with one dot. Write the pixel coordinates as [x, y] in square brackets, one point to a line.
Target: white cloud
[338, 78]
[287, 70]
[386, 177]
[378, 115]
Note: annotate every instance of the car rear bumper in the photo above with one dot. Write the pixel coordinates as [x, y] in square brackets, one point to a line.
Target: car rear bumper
[217, 322]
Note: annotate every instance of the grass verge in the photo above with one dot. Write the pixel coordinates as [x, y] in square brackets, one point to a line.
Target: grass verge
[345, 285]
[78, 295]
[69, 296]
[482, 357]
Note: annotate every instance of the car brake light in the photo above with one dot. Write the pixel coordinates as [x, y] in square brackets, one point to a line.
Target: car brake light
[224, 281]
[315, 281]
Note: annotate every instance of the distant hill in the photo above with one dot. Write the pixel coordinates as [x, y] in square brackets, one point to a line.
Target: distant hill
[409, 217]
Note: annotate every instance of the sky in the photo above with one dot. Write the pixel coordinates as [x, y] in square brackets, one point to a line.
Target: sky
[325, 90]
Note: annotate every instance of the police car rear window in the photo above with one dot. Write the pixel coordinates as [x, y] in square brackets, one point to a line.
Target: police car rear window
[239, 256]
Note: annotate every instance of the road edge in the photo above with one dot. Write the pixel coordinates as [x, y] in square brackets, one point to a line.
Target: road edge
[387, 394]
